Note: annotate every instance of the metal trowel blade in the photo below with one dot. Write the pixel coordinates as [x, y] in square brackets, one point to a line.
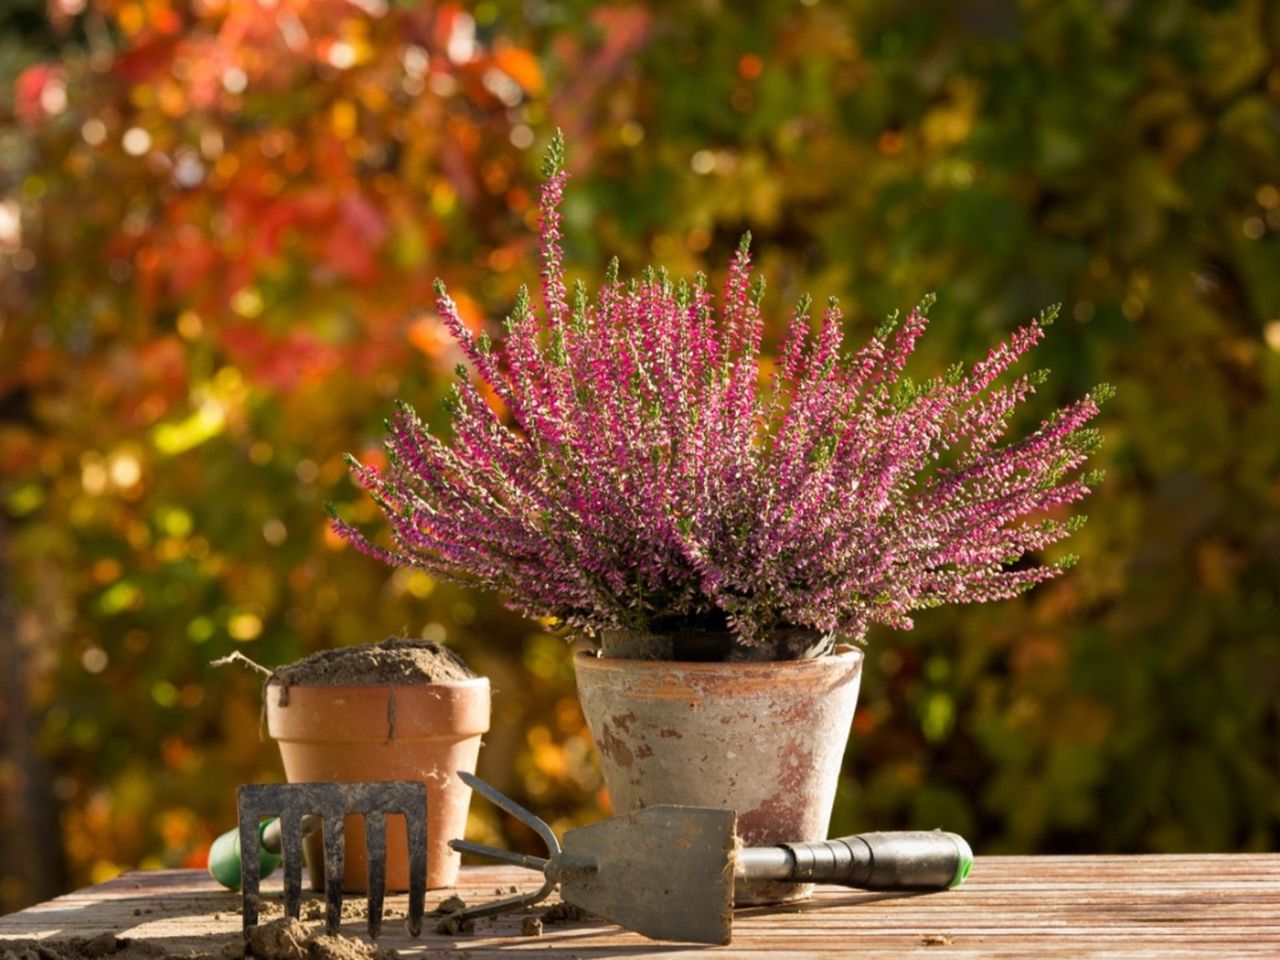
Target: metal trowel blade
[665, 872]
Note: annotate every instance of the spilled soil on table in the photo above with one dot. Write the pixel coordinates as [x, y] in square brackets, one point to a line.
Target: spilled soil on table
[281, 939]
[81, 948]
[288, 939]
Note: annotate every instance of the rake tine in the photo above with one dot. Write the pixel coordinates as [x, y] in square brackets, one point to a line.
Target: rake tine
[291, 841]
[334, 858]
[417, 833]
[327, 805]
[250, 871]
[375, 843]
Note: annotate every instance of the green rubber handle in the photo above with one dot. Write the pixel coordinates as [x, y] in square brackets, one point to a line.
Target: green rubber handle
[224, 854]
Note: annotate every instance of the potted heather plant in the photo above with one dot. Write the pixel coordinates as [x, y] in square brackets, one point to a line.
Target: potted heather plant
[724, 530]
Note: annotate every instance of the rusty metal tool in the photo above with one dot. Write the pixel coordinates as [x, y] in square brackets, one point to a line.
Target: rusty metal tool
[294, 804]
[668, 872]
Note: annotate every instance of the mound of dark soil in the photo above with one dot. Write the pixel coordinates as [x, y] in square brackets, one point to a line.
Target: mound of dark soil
[395, 660]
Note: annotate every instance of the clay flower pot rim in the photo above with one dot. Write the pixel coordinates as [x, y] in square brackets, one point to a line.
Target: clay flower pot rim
[594, 660]
[378, 712]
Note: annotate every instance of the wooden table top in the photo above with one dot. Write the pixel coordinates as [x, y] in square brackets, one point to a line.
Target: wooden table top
[1201, 906]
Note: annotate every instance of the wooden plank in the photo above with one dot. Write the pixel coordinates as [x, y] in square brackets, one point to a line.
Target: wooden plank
[1090, 907]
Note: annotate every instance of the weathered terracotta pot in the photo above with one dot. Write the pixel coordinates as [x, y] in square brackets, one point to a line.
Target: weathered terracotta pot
[764, 739]
[379, 732]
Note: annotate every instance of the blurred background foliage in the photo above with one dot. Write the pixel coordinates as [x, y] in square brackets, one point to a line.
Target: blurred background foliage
[219, 221]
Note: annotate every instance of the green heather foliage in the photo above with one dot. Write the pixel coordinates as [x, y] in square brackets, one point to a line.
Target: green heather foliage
[181, 368]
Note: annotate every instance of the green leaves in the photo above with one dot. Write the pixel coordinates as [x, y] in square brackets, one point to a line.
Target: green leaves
[519, 310]
[887, 325]
[822, 451]
[452, 400]
[553, 158]
[578, 310]
[906, 393]
[556, 348]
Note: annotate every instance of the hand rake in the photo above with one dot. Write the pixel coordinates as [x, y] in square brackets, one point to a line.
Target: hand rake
[668, 872]
[300, 805]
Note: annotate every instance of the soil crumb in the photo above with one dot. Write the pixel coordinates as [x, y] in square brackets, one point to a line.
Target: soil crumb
[314, 908]
[453, 904]
[281, 939]
[289, 939]
[346, 948]
[565, 913]
[531, 927]
[81, 948]
[455, 925]
[268, 908]
[395, 660]
[452, 923]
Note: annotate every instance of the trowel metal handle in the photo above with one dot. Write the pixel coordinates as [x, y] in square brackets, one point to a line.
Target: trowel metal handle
[898, 860]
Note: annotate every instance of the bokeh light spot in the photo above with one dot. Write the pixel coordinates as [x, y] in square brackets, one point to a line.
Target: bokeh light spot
[119, 597]
[200, 629]
[94, 660]
[136, 141]
[247, 302]
[1271, 333]
[243, 627]
[164, 693]
[234, 80]
[94, 132]
[189, 325]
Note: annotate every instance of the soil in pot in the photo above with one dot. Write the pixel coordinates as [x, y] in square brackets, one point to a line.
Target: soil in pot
[399, 710]
[395, 660]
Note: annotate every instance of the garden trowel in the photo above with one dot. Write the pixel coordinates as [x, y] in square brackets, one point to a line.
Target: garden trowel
[668, 872]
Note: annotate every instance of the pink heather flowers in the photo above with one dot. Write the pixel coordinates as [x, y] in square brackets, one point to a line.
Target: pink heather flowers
[648, 475]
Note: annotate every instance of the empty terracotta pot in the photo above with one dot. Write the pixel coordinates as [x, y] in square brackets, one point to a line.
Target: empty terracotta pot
[422, 731]
[764, 739]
